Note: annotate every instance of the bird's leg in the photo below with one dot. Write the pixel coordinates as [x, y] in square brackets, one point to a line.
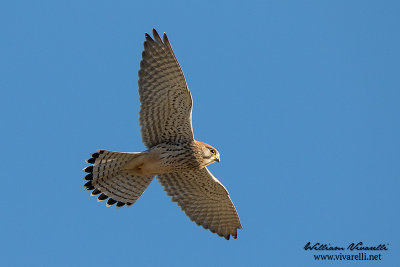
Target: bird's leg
[135, 166]
[143, 165]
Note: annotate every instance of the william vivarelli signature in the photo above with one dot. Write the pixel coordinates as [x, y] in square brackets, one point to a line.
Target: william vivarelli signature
[353, 246]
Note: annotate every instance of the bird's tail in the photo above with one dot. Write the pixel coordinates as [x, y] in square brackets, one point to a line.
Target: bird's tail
[107, 178]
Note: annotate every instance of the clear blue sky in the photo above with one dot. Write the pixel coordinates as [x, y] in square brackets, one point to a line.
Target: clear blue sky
[302, 99]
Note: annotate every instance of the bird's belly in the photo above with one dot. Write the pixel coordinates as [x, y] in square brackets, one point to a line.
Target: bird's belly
[164, 158]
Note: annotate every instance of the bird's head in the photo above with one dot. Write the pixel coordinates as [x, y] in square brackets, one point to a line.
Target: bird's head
[209, 153]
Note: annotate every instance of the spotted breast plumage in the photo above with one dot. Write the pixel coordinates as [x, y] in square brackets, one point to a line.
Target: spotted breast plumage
[173, 155]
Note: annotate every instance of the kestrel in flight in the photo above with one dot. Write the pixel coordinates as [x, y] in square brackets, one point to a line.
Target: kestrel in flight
[173, 155]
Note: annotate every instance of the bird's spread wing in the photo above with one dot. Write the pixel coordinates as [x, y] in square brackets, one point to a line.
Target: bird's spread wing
[204, 200]
[166, 103]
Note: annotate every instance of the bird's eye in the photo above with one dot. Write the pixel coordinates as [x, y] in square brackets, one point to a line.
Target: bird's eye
[213, 151]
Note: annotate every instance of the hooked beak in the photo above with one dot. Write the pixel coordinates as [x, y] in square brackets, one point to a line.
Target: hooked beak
[217, 158]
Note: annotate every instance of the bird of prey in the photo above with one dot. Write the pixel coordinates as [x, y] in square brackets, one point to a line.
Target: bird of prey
[173, 155]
